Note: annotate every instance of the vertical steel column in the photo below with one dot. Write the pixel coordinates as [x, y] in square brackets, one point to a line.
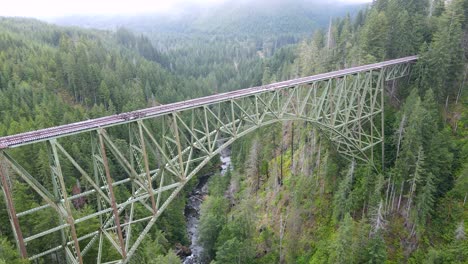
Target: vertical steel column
[69, 219]
[98, 200]
[207, 130]
[382, 119]
[179, 147]
[147, 170]
[128, 233]
[371, 99]
[11, 208]
[234, 128]
[111, 192]
[57, 197]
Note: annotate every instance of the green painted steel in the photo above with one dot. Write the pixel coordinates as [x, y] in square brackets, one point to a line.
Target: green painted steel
[162, 152]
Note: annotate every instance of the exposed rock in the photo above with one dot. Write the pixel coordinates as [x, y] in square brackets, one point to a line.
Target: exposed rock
[182, 251]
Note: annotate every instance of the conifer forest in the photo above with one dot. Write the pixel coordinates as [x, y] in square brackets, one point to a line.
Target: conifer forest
[287, 196]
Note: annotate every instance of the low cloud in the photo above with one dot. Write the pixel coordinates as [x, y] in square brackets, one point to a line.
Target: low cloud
[54, 8]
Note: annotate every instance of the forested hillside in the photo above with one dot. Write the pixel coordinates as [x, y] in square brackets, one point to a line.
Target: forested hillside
[291, 198]
[53, 75]
[259, 19]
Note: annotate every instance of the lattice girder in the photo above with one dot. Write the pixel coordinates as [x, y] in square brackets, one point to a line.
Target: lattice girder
[150, 159]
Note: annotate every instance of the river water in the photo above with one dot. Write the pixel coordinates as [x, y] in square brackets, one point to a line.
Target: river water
[192, 209]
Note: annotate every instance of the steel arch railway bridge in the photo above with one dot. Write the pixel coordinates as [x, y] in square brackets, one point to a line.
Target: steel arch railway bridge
[162, 148]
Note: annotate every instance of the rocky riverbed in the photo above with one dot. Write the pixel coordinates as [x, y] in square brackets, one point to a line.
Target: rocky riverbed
[192, 209]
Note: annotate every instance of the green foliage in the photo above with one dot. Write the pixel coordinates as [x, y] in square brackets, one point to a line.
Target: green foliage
[441, 63]
[8, 254]
[218, 184]
[343, 201]
[170, 258]
[233, 251]
[376, 250]
[212, 219]
[261, 20]
[173, 223]
[424, 172]
[235, 241]
[318, 211]
[341, 248]
[425, 197]
[374, 36]
[155, 247]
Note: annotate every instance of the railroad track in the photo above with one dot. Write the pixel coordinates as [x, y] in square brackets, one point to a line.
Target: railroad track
[93, 124]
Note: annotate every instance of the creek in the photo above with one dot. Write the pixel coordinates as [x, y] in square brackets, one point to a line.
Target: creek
[192, 209]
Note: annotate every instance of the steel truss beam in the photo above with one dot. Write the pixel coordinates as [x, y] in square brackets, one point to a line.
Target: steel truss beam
[159, 155]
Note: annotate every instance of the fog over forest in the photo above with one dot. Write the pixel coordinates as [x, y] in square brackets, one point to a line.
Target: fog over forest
[57, 8]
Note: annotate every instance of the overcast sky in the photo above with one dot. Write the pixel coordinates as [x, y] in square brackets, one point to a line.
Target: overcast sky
[51, 8]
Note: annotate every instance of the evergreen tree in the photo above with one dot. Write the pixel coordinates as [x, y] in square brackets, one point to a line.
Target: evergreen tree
[342, 201]
[374, 37]
[425, 199]
[441, 65]
[411, 136]
[8, 254]
[212, 220]
[170, 258]
[376, 250]
[340, 249]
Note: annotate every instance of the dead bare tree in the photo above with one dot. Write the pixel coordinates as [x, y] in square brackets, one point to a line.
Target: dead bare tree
[253, 165]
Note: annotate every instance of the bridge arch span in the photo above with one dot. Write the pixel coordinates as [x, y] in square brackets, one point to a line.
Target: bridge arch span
[160, 149]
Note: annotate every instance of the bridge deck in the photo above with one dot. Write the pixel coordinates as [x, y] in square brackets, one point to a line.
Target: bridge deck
[69, 129]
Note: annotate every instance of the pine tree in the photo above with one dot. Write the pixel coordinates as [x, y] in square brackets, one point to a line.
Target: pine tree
[253, 165]
[104, 93]
[341, 247]
[376, 250]
[342, 200]
[415, 178]
[425, 199]
[410, 134]
[380, 5]
[415, 7]
[374, 37]
[43, 168]
[212, 220]
[266, 79]
[436, 145]
[442, 64]
[231, 252]
[170, 258]
[8, 254]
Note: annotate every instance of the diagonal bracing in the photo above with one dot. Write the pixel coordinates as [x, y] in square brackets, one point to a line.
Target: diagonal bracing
[147, 156]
